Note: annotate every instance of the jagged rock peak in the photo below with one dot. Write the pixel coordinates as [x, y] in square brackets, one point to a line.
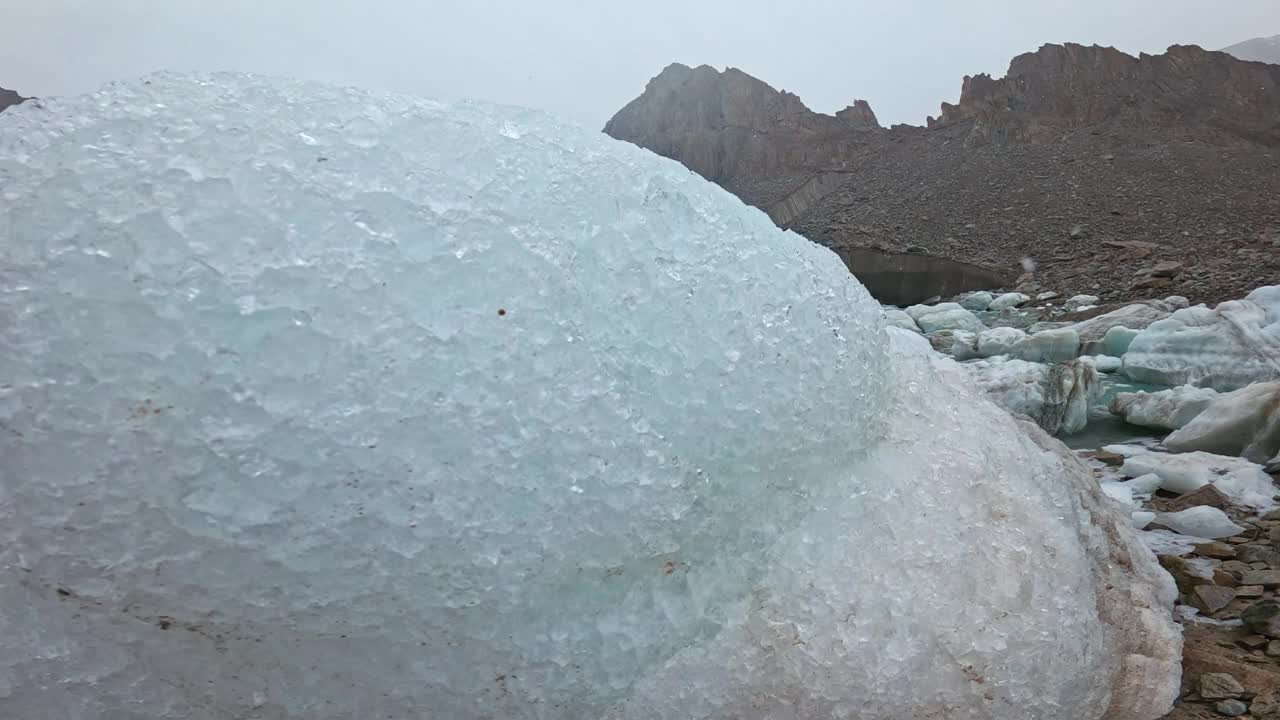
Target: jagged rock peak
[9, 97]
[727, 124]
[1186, 91]
[859, 113]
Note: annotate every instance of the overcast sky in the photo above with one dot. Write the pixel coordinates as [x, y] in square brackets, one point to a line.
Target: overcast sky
[586, 58]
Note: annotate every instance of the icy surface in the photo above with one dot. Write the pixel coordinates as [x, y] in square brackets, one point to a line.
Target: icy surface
[322, 404]
[1225, 348]
[1245, 422]
[1165, 409]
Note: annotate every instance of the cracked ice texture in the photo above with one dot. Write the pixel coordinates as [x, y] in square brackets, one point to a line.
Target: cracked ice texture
[325, 404]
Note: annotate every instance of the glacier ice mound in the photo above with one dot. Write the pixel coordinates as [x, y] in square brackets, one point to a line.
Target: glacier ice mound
[1224, 348]
[326, 404]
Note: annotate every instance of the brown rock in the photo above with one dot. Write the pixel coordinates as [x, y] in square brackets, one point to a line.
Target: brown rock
[1207, 495]
[1252, 553]
[1263, 617]
[1151, 283]
[1105, 457]
[1219, 686]
[1235, 567]
[1249, 591]
[1167, 269]
[1215, 550]
[1186, 575]
[1225, 578]
[1253, 642]
[1265, 578]
[1209, 599]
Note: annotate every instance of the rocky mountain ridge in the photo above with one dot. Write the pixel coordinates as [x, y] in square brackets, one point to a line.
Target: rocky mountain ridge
[1094, 165]
[1263, 49]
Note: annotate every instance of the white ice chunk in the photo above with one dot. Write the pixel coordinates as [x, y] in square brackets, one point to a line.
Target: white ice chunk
[1225, 348]
[977, 301]
[999, 341]
[1049, 346]
[1008, 301]
[1167, 409]
[899, 318]
[1245, 422]
[1117, 340]
[955, 319]
[1106, 363]
[1144, 484]
[1245, 483]
[1120, 492]
[522, 422]
[918, 311]
[1165, 542]
[1200, 521]
[1141, 519]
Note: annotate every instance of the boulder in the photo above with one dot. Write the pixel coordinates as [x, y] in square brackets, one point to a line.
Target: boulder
[1165, 410]
[1226, 348]
[1244, 422]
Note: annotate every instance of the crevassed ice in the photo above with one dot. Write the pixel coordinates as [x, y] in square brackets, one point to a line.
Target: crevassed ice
[325, 404]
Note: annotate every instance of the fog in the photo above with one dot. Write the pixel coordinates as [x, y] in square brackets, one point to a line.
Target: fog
[586, 59]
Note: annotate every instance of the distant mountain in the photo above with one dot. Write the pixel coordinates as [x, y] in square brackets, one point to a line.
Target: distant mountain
[1093, 163]
[1265, 50]
[9, 97]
